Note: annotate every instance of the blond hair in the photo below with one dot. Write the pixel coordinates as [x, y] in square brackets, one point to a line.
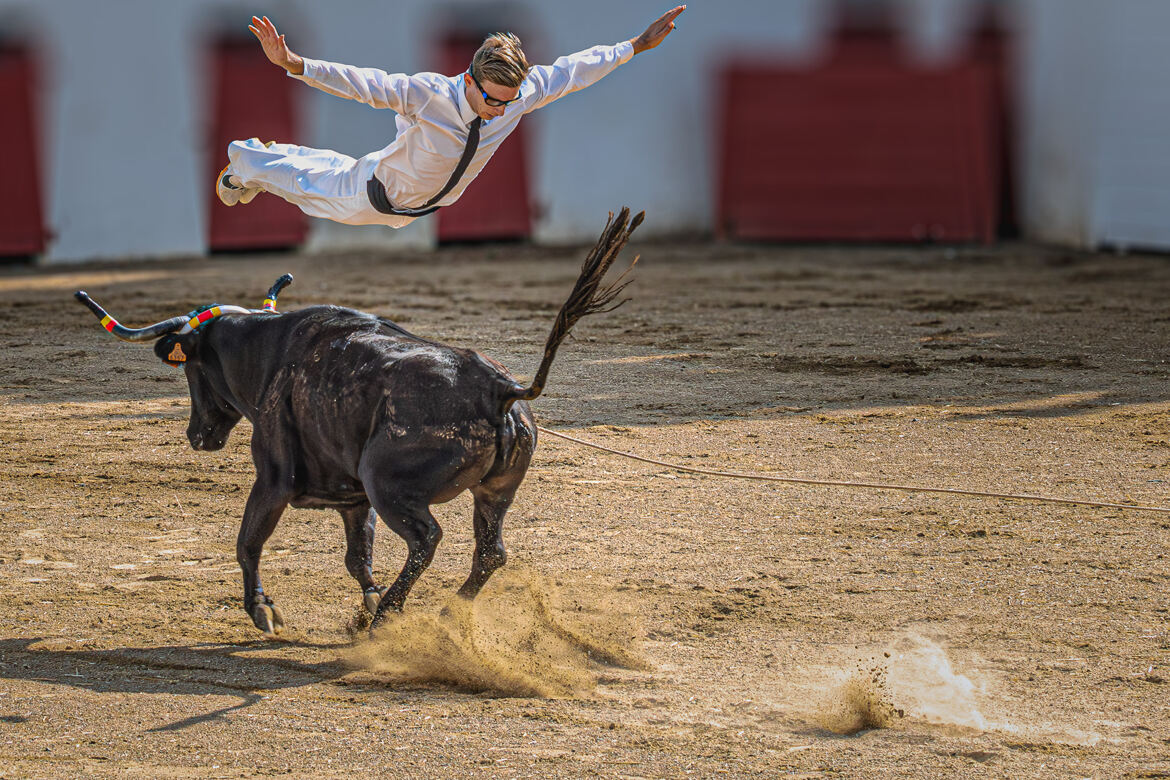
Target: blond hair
[500, 60]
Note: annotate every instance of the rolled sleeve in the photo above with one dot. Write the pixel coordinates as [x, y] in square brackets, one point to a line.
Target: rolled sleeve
[576, 71]
[371, 86]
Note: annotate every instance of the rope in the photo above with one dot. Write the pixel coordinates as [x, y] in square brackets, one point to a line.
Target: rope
[839, 483]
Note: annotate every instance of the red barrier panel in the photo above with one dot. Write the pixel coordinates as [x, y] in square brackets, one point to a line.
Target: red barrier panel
[22, 227]
[252, 97]
[495, 206]
[861, 148]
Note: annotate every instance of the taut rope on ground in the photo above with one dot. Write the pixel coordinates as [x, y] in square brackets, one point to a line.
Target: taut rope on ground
[841, 483]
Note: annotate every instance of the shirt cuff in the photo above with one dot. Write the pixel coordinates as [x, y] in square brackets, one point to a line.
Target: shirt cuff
[309, 74]
[625, 52]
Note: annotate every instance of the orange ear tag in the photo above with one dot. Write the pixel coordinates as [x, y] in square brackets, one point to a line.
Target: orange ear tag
[177, 355]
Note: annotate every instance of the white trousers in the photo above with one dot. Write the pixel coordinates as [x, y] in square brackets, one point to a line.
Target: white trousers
[320, 182]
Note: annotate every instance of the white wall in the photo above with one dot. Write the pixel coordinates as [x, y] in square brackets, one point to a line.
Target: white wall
[126, 109]
[1130, 199]
[121, 135]
[1095, 119]
[936, 30]
[125, 150]
[1062, 83]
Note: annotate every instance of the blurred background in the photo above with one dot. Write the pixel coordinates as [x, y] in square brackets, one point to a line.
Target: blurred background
[766, 120]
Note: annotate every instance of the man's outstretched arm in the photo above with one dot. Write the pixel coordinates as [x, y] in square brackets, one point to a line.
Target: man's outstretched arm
[577, 71]
[371, 86]
[657, 31]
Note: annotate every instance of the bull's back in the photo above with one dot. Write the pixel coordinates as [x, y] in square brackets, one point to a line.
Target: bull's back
[363, 368]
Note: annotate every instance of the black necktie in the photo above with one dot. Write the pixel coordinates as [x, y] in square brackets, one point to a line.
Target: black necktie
[377, 191]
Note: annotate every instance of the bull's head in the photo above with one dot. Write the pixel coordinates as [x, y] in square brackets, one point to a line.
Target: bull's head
[177, 343]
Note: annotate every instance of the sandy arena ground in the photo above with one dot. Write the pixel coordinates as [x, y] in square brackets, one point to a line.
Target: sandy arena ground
[650, 622]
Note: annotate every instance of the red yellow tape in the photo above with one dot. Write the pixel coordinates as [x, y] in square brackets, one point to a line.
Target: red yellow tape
[203, 317]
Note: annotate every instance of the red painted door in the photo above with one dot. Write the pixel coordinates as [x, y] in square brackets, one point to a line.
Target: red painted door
[252, 97]
[495, 206]
[864, 147]
[22, 227]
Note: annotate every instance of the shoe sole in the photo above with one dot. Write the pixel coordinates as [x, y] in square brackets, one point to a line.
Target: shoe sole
[228, 197]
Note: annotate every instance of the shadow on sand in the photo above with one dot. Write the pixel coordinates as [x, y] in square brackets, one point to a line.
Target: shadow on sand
[196, 670]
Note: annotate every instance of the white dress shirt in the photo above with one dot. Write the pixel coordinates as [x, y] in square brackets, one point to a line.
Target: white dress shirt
[434, 115]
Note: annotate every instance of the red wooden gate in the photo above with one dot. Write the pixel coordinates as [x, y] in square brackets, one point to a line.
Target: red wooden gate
[252, 97]
[495, 206]
[22, 227]
[863, 147]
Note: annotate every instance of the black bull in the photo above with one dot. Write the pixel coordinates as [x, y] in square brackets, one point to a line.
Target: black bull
[351, 412]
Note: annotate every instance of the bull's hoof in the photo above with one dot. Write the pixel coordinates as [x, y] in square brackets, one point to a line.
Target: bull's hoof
[372, 598]
[268, 618]
[277, 618]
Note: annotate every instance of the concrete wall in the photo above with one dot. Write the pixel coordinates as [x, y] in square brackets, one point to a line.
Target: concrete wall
[121, 141]
[1130, 199]
[1062, 88]
[125, 108]
[1095, 119]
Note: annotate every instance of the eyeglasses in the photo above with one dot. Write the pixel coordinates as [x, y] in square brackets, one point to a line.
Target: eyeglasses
[491, 101]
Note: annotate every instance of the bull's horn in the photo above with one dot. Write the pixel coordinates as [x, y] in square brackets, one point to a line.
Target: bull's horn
[270, 299]
[200, 316]
[183, 323]
[130, 334]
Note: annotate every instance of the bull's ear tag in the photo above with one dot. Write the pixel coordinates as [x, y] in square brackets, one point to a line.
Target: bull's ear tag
[177, 355]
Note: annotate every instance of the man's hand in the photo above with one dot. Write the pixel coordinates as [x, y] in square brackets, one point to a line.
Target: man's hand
[657, 31]
[275, 49]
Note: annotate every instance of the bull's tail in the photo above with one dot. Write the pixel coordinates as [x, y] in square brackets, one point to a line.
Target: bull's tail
[588, 296]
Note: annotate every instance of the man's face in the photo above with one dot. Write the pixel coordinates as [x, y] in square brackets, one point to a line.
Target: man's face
[494, 91]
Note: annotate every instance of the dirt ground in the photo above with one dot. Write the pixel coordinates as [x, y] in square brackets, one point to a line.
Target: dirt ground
[650, 622]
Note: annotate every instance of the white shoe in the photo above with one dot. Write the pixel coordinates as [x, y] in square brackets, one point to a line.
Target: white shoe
[231, 191]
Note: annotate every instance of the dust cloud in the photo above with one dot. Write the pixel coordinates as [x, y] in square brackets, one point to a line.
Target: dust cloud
[913, 678]
[924, 682]
[858, 702]
[510, 641]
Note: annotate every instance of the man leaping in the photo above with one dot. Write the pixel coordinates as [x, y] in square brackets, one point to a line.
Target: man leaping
[448, 127]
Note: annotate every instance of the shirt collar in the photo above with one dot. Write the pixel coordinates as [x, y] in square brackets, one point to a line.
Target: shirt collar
[466, 112]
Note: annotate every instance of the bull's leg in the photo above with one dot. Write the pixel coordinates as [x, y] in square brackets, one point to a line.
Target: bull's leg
[493, 496]
[489, 554]
[359, 552]
[412, 520]
[261, 514]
